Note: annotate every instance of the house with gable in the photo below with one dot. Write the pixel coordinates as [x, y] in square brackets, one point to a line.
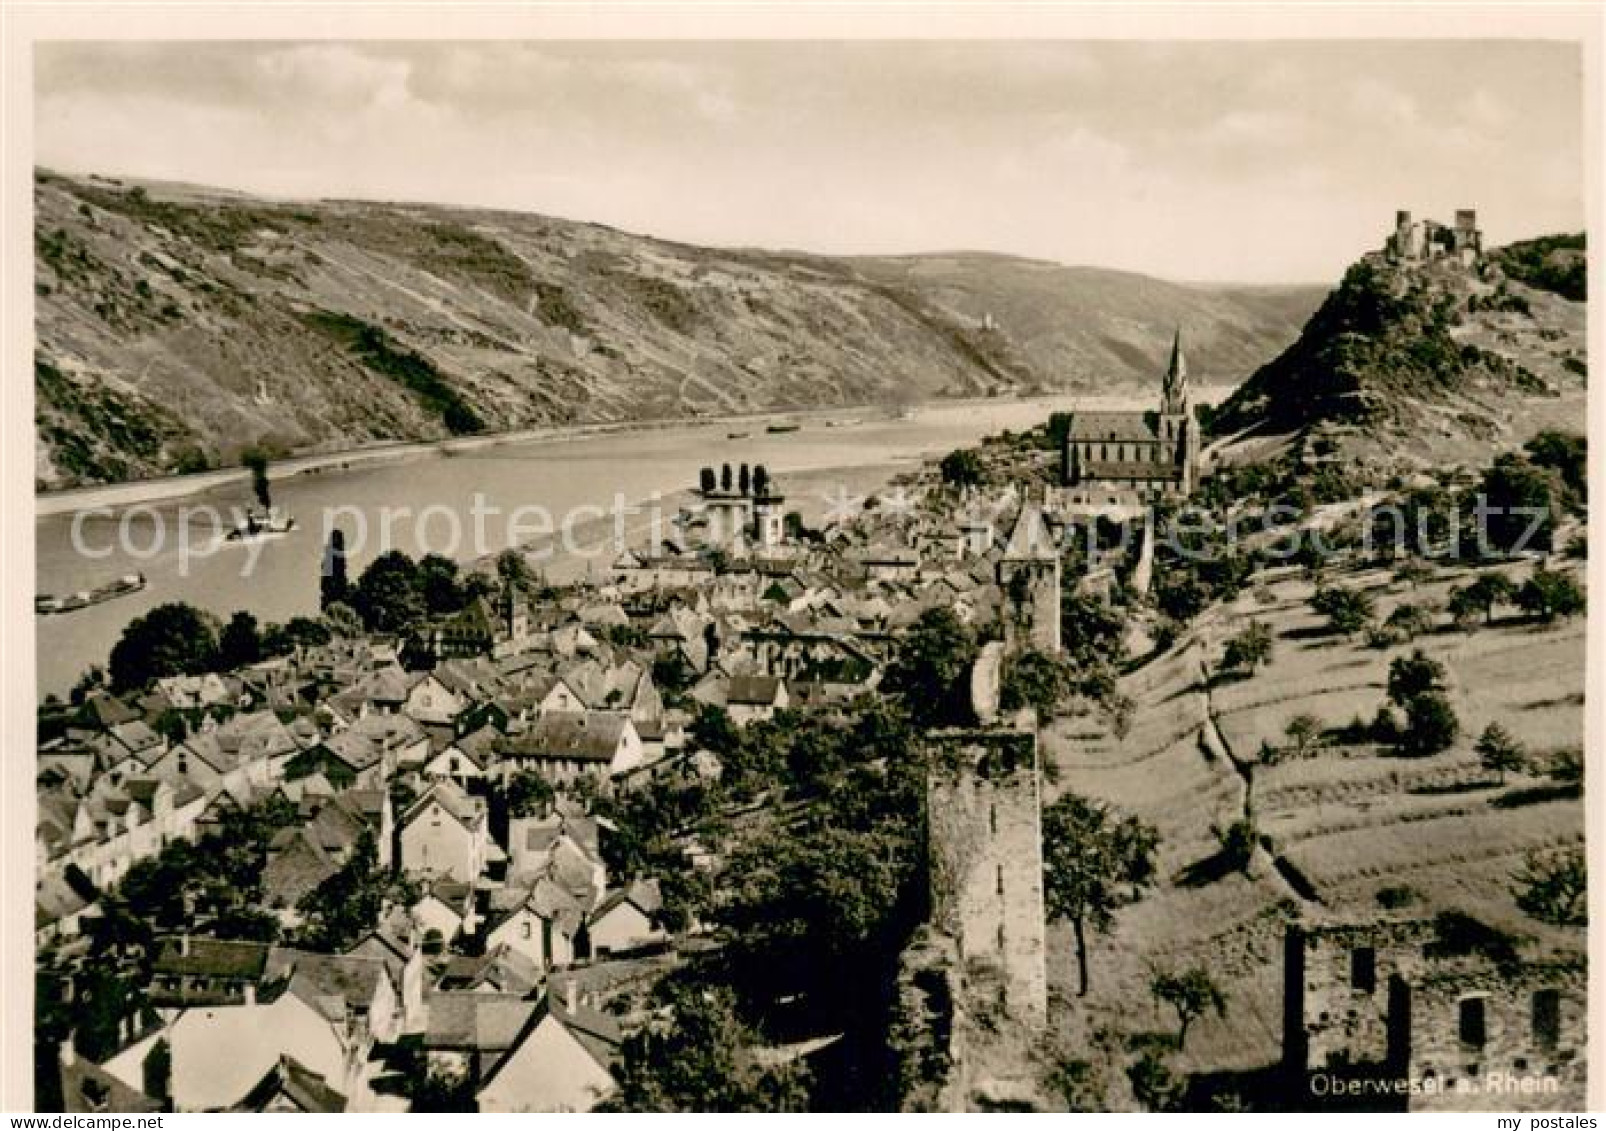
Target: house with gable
[445, 834]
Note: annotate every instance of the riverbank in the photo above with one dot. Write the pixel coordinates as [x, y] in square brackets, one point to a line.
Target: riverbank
[112, 496]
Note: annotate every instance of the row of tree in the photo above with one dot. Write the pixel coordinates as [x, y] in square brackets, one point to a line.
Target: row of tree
[755, 482]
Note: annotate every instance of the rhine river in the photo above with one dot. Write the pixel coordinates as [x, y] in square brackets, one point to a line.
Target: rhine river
[554, 474]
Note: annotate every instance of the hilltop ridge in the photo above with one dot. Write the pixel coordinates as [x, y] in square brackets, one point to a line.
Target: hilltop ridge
[177, 324]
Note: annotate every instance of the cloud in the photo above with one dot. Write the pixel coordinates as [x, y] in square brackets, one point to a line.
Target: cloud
[1167, 157]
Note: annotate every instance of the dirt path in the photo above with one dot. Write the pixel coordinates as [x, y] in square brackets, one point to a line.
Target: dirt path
[1292, 878]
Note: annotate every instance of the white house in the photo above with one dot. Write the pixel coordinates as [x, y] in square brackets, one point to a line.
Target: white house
[445, 835]
[562, 1061]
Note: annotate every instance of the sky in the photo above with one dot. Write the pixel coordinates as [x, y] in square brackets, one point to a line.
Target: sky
[1225, 161]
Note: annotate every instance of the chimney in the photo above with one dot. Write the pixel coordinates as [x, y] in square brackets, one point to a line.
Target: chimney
[67, 1053]
[571, 995]
[184, 945]
[250, 993]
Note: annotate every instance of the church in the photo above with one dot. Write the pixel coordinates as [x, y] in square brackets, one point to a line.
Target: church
[1133, 458]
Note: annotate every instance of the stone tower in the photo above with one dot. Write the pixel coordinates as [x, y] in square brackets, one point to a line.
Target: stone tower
[986, 865]
[1029, 572]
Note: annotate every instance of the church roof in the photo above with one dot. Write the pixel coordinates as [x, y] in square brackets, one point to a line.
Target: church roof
[1120, 427]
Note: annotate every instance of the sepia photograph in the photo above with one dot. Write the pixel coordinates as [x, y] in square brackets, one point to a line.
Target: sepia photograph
[1015, 566]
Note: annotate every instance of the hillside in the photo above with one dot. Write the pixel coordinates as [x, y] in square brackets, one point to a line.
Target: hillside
[177, 325]
[1455, 359]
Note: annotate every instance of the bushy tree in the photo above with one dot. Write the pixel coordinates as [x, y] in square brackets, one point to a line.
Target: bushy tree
[1035, 679]
[1238, 843]
[387, 596]
[1522, 501]
[1192, 993]
[1410, 621]
[528, 794]
[436, 579]
[931, 668]
[239, 644]
[1154, 1084]
[961, 468]
[1480, 597]
[1249, 649]
[1566, 453]
[1431, 725]
[1348, 611]
[1553, 887]
[1551, 595]
[171, 639]
[1414, 675]
[1304, 733]
[695, 1055]
[707, 481]
[1094, 862]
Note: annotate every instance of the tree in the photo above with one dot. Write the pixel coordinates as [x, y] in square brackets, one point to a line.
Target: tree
[1249, 649]
[528, 794]
[1430, 725]
[1192, 993]
[342, 909]
[333, 584]
[1520, 500]
[1238, 843]
[342, 620]
[744, 480]
[1480, 597]
[435, 577]
[961, 468]
[1550, 594]
[257, 460]
[1034, 679]
[1566, 453]
[695, 1055]
[1347, 610]
[1154, 1085]
[171, 639]
[1304, 732]
[1412, 572]
[725, 477]
[1553, 887]
[1500, 752]
[1414, 675]
[240, 644]
[932, 667]
[761, 482]
[1410, 621]
[706, 481]
[712, 729]
[1094, 862]
[387, 596]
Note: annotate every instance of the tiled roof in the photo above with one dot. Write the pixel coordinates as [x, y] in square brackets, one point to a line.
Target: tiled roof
[1120, 427]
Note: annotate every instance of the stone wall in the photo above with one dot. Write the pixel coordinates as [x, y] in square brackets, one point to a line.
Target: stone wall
[986, 863]
[1387, 1001]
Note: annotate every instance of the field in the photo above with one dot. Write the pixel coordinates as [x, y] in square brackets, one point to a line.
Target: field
[1336, 826]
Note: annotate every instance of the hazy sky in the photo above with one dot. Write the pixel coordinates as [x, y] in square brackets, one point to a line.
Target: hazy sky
[1245, 161]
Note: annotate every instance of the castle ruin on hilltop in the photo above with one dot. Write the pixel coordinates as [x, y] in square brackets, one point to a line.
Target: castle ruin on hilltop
[1422, 241]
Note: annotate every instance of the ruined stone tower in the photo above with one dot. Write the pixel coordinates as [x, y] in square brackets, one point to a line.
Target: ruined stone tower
[986, 866]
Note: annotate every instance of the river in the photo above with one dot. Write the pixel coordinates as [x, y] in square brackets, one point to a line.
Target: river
[426, 495]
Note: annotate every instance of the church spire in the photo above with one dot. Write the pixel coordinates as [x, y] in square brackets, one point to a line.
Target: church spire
[1174, 392]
